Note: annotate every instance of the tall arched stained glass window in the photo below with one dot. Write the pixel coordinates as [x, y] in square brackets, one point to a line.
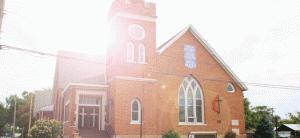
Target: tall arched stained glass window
[191, 108]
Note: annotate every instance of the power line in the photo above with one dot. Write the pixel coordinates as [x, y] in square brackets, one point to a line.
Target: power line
[48, 54]
[274, 86]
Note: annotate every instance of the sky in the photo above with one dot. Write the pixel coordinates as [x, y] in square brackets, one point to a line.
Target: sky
[258, 39]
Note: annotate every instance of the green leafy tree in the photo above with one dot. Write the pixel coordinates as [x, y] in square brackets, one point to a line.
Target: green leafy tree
[171, 134]
[3, 118]
[292, 119]
[249, 115]
[254, 115]
[265, 128]
[46, 129]
[22, 110]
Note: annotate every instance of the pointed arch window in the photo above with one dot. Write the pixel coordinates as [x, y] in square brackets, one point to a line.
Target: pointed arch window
[191, 110]
[130, 52]
[135, 112]
[142, 54]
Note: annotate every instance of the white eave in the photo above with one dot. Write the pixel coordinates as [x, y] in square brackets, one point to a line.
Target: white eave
[190, 28]
[83, 85]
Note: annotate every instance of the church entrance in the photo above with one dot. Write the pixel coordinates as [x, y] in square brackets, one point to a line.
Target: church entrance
[88, 116]
[89, 112]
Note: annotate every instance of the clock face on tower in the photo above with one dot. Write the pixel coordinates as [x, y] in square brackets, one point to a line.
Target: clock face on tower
[136, 32]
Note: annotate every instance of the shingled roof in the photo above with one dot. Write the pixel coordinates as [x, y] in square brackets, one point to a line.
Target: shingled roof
[74, 67]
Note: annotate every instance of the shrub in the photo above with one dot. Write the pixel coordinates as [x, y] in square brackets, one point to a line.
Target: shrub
[46, 129]
[171, 134]
[230, 134]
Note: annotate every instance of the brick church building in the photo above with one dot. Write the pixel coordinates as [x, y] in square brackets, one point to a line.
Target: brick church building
[140, 89]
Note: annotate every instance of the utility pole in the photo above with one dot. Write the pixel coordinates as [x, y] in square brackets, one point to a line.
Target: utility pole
[141, 125]
[30, 109]
[14, 123]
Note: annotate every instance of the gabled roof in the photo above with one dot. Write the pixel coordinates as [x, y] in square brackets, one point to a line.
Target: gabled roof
[72, 67]
[295, 127]
[197, 35]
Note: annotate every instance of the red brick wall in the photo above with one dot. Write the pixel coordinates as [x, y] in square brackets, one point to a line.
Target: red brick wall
[171, 72]
[124, 92]
[161, 104]
[69, 96]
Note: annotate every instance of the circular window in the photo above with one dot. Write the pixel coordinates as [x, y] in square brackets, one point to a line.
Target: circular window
[230, 88]
[136, 32]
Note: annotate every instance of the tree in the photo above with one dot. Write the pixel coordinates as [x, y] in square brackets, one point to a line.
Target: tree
[22, 110]
[3, 118]
[249, 115]
[46, 129]
[293, 119]
[171, 134]
[254, 115]
[265, 128]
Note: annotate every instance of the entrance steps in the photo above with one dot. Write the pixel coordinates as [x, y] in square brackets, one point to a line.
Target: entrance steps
[92, 133]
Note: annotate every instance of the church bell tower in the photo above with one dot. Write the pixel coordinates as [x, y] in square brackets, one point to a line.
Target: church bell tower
[133, 38]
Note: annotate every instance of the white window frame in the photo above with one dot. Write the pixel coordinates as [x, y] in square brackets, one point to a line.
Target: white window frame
[139, 112]
[142, 54]
[189, 85]
[64, 118]
[130, 52]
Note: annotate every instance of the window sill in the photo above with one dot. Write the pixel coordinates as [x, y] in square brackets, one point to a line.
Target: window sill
[135, 123]
[191, 124]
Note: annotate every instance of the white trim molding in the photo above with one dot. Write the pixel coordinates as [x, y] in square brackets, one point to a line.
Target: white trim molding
[203, 132]
[191, 124]
[103, 94]
[64, 118]
[134, 16]
[135, 79]
[83, 85]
